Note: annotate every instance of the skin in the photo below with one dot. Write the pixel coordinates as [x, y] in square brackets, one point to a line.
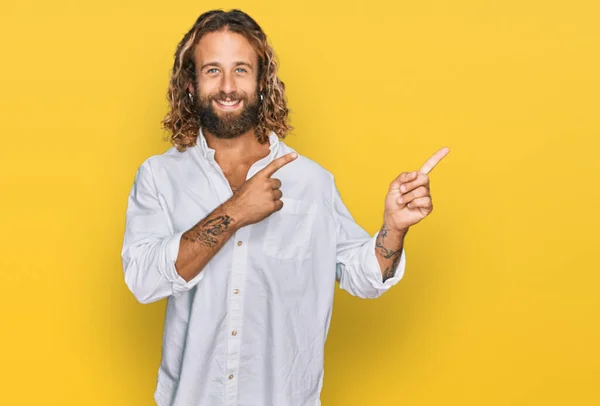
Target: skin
[227, 62]
[256, 199]
[407, 202]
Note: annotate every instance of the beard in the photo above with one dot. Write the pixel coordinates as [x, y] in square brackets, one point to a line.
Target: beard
[227, 125]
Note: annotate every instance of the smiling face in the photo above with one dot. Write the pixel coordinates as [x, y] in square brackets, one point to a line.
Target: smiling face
[226, 74]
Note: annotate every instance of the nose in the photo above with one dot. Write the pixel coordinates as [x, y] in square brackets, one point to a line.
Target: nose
[228, 83]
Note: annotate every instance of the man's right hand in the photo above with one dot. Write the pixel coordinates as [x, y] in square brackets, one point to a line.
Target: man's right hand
[259, 196]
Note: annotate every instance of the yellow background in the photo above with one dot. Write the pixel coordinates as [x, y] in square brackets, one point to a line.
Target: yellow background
[500, 303]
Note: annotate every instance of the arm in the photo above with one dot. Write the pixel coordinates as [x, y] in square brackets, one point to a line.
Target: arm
[361, 258]
[157, 261]
[388, 247]
[408, 201]
[200, 243]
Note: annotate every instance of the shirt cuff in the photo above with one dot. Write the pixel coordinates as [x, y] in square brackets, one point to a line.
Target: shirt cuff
[180, 285]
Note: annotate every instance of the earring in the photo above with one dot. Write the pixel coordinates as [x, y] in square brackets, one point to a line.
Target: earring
[191, 96]
[261, 97]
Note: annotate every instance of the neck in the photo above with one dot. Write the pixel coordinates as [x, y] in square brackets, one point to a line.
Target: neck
[243, 150]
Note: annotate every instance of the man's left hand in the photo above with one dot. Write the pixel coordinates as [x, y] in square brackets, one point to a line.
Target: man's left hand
[409, 199]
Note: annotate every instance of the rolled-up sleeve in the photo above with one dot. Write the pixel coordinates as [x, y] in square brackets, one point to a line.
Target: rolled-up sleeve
[357, 268]
[150, 247]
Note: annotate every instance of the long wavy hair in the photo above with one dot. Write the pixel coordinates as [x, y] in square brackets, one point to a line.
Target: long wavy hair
[182, 124]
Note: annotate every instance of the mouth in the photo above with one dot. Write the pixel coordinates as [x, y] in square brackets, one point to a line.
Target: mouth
[228, 104]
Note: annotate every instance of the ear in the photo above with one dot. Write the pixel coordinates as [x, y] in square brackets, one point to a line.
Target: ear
[191, 88]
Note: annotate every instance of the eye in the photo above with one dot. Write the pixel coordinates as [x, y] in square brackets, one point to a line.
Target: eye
[240, 70]
[212, 70]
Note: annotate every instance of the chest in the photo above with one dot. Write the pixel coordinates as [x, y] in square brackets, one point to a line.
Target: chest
[236, 176]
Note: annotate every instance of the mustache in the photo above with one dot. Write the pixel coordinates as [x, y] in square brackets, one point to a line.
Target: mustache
[221, 95]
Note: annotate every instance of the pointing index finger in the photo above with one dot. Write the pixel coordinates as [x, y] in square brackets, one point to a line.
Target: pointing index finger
[434, 160]
[275, 164]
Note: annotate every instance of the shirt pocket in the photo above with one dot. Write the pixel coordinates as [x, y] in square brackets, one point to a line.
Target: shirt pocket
[289, 231]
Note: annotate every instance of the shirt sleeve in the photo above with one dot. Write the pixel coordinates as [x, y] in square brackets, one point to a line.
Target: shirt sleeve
[150, 247]
[357, 268]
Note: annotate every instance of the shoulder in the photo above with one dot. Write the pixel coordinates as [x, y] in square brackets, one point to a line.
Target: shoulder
[163, 170]
[169, 161]
[170, 158]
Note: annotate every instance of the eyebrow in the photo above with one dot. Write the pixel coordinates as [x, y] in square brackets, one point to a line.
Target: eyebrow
[238, 63]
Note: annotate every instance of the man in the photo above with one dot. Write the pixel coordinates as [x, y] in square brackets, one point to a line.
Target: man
[244, 236]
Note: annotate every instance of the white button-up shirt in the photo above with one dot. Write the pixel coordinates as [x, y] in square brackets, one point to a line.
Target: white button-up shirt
[250, 328]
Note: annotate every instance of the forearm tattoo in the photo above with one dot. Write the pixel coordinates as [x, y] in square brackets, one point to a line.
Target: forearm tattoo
[389, 271]
[205, 232]
[387, 253]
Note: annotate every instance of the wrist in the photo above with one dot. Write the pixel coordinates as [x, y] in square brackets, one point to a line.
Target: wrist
[231, 209]
[390, 227]
[399, 233]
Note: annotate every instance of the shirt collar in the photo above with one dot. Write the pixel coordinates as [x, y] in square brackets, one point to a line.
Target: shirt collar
[209, 153]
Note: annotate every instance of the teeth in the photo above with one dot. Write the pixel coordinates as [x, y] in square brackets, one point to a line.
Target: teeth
[227, 103]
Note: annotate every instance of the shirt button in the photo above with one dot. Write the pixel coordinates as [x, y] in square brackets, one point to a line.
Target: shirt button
[234, 333]
[239, 243]
[236, 291]
[230, 376]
